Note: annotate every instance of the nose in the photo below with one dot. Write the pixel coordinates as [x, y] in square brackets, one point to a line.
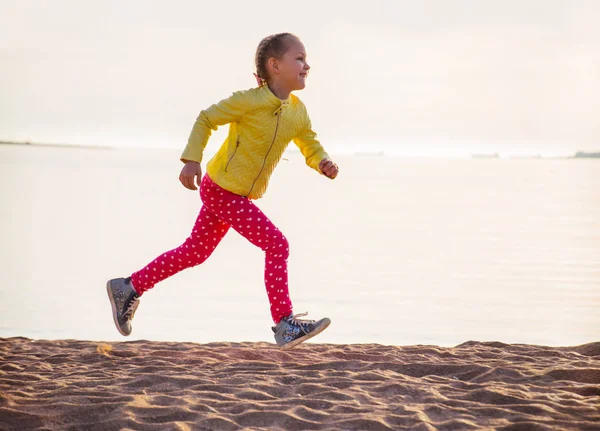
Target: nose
[307, 66]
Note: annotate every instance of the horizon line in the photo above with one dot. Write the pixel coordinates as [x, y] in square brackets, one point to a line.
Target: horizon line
[359, 153]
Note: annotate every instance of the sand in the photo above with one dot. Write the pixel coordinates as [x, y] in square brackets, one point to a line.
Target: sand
[149, 385]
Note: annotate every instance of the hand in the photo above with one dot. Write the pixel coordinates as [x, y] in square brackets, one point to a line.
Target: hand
[329, 169]
[189, 171]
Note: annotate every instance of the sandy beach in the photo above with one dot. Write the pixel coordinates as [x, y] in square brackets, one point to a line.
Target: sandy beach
[145, 385]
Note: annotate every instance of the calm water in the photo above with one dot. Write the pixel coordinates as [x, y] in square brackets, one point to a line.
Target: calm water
[395, 251]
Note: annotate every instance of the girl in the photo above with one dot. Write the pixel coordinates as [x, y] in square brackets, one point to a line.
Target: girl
[262, 122]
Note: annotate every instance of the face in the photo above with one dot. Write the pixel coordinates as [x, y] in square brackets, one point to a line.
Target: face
[292, 69]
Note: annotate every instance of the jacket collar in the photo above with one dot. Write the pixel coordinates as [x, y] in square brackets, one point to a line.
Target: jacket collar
[276, 101]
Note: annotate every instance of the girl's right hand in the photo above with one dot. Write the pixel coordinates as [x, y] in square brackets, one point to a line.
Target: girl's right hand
[189, 172]
[328, 168]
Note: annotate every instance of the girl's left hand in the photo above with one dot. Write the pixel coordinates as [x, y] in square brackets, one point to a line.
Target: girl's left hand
[329, 169]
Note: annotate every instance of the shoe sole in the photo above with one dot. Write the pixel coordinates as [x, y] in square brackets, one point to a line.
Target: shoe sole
[114, 309]
[317, 331]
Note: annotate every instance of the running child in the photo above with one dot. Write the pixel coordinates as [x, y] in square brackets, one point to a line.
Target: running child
[262, 122]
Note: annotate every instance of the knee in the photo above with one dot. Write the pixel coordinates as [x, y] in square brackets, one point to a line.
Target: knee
[192, 252]
[279, 245]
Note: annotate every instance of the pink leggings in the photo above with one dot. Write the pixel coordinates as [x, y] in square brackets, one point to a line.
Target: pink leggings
[222, 210]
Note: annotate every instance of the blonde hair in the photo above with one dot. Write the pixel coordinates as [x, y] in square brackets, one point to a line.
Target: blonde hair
[275, 46]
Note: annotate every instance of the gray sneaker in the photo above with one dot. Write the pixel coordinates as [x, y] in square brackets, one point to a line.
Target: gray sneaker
[124, 301]
[291, 330]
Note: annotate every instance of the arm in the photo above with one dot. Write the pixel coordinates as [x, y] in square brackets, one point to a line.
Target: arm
[227, 111]
[310, 147]
[313, 152]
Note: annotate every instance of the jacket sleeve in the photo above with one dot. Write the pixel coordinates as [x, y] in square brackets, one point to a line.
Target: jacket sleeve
[310, 146]
[227, 111]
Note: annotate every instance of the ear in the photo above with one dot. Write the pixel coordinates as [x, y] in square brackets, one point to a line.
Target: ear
[273, 65]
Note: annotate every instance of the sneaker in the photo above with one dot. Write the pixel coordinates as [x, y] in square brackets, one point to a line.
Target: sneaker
[124, 301]
[291, 330]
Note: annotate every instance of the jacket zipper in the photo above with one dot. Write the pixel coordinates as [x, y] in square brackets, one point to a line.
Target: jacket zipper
[266, 155]
[237, 144]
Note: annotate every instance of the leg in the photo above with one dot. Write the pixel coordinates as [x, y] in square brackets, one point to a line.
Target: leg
[247, 219]
[124, 293]
[208, 231]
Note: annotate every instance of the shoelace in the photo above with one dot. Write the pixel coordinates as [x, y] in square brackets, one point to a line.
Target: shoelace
[133, 305]
[294, 319]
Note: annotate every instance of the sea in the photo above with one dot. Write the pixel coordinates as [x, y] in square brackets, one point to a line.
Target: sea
[396, 250]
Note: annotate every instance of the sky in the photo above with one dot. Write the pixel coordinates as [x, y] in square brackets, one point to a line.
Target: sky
[408, 77]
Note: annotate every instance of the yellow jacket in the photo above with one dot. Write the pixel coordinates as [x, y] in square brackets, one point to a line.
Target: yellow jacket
[260, 128]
